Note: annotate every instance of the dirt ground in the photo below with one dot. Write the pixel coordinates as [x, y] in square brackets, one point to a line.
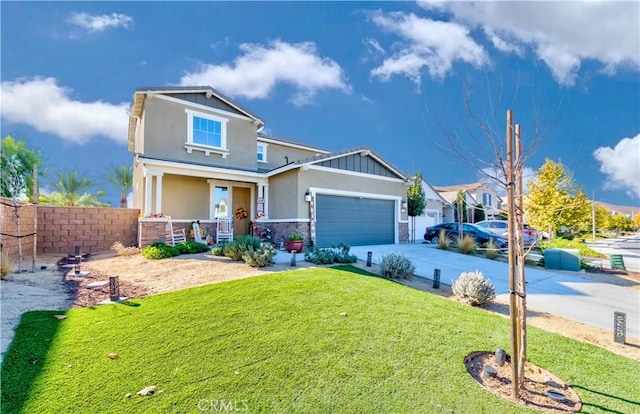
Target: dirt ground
[139, 277]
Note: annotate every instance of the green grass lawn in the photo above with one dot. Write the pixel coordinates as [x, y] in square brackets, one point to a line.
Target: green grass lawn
[277, 343]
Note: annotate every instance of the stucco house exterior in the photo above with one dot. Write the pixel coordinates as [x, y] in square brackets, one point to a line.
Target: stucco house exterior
[475, 194]
[200, 156]
[433, 213]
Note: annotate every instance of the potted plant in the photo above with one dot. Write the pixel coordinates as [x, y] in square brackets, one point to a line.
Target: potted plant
[295, 241]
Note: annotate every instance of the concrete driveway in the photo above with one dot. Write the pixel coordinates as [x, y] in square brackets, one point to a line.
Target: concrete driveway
[568, 294]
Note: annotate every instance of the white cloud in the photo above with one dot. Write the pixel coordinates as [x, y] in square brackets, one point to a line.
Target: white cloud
[256, 73]
[563, 34]
[100, 23]
[621, 165]
[434, 45]
[48, 108]
[502, 44]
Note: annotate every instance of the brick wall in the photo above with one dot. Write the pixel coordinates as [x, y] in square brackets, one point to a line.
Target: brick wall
[60, 229]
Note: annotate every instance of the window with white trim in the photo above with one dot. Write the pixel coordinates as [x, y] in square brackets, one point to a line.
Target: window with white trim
[486, 199]
[206, 132]
[262, 152]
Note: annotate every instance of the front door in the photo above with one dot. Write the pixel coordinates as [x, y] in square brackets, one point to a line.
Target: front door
[241, 204]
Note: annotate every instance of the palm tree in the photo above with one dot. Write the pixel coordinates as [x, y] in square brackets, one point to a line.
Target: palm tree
[72, 190]
[121, 178]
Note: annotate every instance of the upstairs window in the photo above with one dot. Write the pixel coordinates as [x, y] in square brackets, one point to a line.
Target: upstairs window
[206, 131]
[262, 152]
[486, 199]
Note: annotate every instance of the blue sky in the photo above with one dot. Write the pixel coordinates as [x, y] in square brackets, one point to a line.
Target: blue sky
[389, 75]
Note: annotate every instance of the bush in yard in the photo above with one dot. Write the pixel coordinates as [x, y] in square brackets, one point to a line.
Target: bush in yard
[218, 249]
[491, 251]
[341, 254]
[263, 256]
[473, 289]
[124, 251]
[240, 245]
[159, 251]
[317, 255]
[6, 264]
[397, 266]
[338, 253]
[467, 245]
[190, 247]
[444, 242]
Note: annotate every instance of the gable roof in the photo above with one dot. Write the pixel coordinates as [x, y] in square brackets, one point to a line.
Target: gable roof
[288, 142]
[437, 193]
[460, 187]
[452, 196]
[319, 159]
[140, 94]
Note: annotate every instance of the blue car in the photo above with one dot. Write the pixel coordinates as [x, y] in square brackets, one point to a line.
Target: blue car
[481, 236]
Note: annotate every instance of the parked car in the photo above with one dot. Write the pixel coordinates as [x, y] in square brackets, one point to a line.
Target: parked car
[500, 227]
[481, 235]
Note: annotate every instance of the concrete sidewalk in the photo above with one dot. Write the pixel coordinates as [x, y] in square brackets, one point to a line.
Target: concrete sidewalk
[568, 294]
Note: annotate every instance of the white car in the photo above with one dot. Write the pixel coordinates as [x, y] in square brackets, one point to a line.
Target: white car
[500, 227]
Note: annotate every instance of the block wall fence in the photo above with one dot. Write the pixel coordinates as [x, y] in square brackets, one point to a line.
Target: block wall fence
[60, 229]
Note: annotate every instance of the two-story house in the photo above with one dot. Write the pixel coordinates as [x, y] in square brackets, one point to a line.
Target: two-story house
[477, 195]
[200, 156]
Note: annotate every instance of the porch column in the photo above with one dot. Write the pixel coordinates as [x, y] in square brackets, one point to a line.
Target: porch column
[265, 190]
[159, 193]
[148, 192]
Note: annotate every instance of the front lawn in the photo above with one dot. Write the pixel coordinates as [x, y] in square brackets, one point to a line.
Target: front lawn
[278, 343]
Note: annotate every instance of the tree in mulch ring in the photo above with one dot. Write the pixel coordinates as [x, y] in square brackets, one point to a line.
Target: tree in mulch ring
[541, 390]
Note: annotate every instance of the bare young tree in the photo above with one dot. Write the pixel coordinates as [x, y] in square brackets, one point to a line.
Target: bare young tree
[501, 161]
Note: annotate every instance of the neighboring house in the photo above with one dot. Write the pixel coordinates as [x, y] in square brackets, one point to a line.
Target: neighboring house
[475, 194]
[433, 213]
[200, 156]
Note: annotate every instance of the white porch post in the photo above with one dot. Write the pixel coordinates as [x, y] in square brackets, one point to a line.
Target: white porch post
[148, 192]
[159, 193]
[265, 189]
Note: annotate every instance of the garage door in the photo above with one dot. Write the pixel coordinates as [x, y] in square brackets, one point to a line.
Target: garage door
[354, 221]
[427, 219]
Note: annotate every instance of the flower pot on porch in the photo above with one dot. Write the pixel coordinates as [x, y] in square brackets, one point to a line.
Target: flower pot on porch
[296, 245]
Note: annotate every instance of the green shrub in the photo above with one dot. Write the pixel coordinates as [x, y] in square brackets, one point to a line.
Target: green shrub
[319, 256]
[342, 255]
[190, 247]
[397, 266]
[240, 245]
[263, 256]
[467, 245]
[218, 249]
[444, 242]
[491, 251]
[560, 243]
[338, 253]
[473, 289]
[159, 251]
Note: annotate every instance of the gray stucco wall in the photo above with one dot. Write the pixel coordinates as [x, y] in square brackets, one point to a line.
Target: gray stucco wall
[165, 132]
[286, 190]
[283, 193]
[276, 155]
